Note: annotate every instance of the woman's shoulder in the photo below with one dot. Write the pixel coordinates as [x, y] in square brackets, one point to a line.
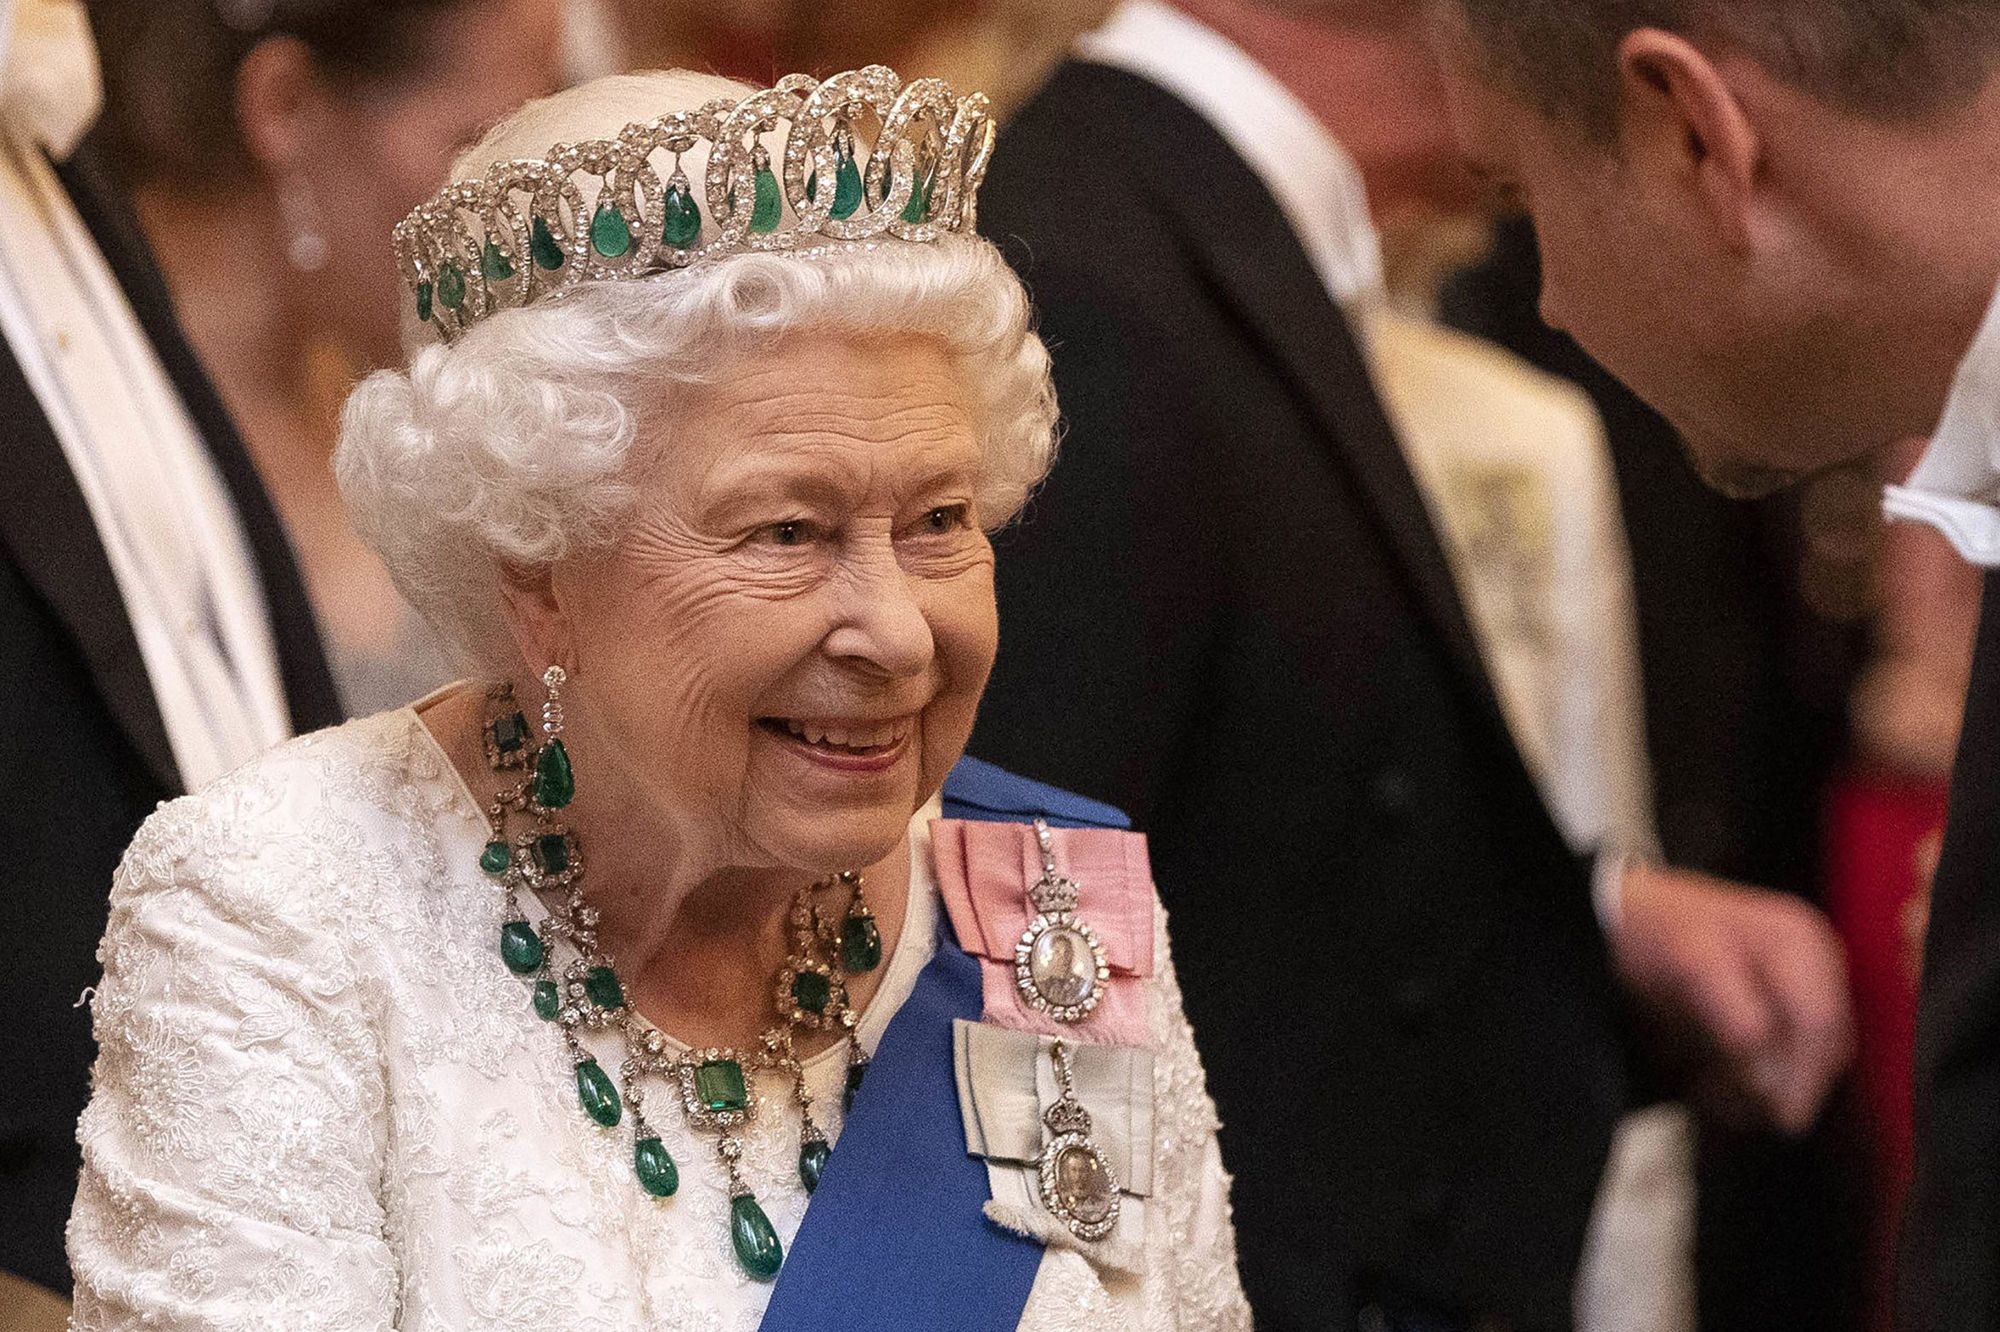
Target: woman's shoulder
[296, 831]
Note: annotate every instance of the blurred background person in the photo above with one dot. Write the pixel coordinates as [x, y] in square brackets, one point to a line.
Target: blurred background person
[271, 146]
[1004, 47]
[154, 632]
[1204, 262]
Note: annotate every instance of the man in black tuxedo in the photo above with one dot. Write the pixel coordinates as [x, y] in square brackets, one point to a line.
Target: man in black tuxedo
[1229, 613]
[1780, 224]
[84, 743]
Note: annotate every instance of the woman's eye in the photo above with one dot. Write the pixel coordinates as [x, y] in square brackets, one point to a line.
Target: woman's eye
[792, 532]
[946, 518]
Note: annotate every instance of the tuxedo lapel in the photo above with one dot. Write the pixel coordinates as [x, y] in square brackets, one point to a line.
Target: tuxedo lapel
[1237, 235]
[309, 688]
[46, 527]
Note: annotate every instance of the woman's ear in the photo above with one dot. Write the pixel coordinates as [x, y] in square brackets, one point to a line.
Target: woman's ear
[1681, 117]
[278, 96]
[535, 617]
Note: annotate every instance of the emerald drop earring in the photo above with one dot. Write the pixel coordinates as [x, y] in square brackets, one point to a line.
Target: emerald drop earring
[555, 782]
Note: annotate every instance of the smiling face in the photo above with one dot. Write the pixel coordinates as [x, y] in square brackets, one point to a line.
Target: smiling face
[779, 659]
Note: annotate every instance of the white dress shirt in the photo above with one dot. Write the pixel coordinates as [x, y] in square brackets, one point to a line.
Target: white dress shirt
[180, 558]
[1956, 488]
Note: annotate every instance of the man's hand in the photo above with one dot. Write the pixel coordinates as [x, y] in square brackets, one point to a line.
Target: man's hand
[1757, 978]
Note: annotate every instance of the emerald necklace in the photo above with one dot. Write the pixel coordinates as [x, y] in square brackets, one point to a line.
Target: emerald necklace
[532, 852]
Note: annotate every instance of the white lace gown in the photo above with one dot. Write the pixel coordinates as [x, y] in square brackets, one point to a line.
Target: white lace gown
[323, 1103]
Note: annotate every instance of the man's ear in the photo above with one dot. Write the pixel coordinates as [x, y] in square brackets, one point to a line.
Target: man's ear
[536, 618]
[1680, 116]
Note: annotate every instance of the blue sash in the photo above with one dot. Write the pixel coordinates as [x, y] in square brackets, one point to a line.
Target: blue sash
[896, 1236]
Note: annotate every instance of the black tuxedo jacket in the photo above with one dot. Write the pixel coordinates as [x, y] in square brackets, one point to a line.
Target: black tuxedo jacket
[1228, 613]
[82, 744]
[1950, 1280]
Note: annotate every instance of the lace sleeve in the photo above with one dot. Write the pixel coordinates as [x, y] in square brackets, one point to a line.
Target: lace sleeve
[1194, 1243]
[233, 1138]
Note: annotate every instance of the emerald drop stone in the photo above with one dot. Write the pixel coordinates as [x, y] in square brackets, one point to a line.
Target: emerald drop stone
[846, 190]
[424, 301]
[599, 1097]
[683, 227]
[451, 285]
[603, 988]
[813, 1157]
[520, 947]
[548, 1000]
[555, 783]
[860, 944]
[919, 206]
[757, 1249]
[610, 236]
[810, 991]
[719, 1085]
[768, 209]
[552, 853]
[542, 245]
[494, 858]
[657, 1173]
[496, 266]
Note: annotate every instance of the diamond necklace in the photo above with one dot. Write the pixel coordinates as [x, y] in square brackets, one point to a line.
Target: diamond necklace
[716, 1086]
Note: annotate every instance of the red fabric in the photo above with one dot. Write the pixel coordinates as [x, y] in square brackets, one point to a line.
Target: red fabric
[1875, 827]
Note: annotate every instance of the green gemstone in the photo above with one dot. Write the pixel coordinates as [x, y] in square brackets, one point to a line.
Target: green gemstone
[496, 266]
[555, 783]
[509, 733]
[757, 1249]
[610, 235]
[599, 1097]
[846, 189]
[919, 206]
[657, 1173]
[552, 853]
[424, 301]
[855, 1072]
[812, 188]
[494, 858]
[810, 991]
[603, 988]
[520, 947]
[542, 244]
[813, 1157]
[548, 1000]
[683, 227]
[719, 1085]
[860, 944]
[769, 209]
[451, 285]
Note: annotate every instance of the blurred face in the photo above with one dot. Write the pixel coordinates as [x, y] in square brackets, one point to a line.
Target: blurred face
[377, 151]
[1670, 257]
[782, 655]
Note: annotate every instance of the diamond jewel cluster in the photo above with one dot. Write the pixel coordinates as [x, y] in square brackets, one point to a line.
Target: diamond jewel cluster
[804, 167]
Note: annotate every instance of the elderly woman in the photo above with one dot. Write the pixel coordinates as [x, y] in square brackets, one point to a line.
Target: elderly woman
[678, 973]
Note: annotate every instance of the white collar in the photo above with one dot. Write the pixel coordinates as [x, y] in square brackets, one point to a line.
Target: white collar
[1316, 184]
[50, 92]
[1956, 488]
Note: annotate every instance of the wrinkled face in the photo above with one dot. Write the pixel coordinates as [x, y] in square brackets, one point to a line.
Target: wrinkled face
[1736, 329]
[781, 656]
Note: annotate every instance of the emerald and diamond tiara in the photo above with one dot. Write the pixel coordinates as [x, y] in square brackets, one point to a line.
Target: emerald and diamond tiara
[623, 209]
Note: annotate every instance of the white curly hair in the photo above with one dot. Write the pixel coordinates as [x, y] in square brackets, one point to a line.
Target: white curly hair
[521, 443]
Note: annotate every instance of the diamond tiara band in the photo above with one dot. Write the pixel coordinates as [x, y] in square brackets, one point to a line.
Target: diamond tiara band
[527, 230]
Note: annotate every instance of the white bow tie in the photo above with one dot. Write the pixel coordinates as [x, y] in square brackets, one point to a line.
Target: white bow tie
[50, 91]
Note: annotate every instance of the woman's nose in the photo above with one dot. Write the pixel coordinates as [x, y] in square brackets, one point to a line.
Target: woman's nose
[884, 625]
